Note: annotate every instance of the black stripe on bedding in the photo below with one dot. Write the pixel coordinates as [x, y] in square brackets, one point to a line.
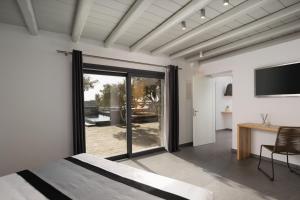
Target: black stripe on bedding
[140, 186]
[43, 187]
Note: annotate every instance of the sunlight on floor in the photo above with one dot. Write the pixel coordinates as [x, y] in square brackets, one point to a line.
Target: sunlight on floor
[223, 188]
[214, 167]
[111, 140]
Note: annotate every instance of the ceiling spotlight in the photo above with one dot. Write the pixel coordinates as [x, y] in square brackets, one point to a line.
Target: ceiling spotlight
[225, 2]
[200, 54]
[202, 13]
[183, 25]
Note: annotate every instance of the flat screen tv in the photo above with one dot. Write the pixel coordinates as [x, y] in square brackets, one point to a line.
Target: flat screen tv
[283, 80]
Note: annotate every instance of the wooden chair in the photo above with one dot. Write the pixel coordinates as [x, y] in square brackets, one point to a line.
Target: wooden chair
[287, 143]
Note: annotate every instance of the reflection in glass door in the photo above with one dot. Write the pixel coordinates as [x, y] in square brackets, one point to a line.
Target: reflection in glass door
[146, 113]
[105, 114]
[123, 111]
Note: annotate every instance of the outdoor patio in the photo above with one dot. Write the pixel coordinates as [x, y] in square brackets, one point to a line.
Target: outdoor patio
[111, 140]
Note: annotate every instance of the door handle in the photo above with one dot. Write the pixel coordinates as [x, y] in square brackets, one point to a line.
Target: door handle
[195, 112]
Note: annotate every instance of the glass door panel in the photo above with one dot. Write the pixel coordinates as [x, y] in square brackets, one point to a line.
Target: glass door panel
[146, 113]
[105, 114]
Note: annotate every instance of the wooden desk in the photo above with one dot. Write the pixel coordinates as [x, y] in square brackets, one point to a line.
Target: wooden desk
[244, 137]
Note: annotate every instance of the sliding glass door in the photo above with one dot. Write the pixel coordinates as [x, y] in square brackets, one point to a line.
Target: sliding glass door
[146, 113]
[123, 112]
[105, 114]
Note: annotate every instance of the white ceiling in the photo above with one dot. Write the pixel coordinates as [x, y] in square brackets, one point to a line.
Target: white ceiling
[105, 15]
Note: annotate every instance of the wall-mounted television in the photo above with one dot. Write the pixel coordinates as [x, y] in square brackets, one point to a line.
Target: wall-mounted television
[283, 80]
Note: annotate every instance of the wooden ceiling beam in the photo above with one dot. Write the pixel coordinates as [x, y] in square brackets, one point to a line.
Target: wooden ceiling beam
[134, 12]
[28, 16]
[175, 19]
[82, 13]
[260, 23]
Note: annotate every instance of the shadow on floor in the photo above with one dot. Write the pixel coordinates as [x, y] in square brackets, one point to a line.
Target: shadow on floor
[143, 166]
[218, 160]
[145, 137]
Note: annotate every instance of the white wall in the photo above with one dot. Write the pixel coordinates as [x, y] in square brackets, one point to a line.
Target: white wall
[223, 121]
[247, 108]
[35, 89]
[185, 102]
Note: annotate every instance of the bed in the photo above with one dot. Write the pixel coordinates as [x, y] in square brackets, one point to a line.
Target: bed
[85, 176]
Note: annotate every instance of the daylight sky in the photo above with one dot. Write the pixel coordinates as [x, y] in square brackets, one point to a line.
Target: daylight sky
[102, 80]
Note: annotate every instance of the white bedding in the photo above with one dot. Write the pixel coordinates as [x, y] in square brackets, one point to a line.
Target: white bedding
[15, 187]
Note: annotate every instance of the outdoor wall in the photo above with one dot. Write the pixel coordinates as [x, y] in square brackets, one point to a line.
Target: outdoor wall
[35, 86]
[223, 121]
[246, 107]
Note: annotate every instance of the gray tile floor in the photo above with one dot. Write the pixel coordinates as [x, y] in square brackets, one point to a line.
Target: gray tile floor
[215, 168]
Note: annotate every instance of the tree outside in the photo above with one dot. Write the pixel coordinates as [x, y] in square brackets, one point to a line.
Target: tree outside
[106, 97]
[114, 95]
[88, 83]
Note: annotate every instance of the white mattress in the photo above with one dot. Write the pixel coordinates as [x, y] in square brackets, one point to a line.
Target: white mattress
[79, 183]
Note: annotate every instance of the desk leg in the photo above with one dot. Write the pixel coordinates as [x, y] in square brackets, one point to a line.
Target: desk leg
[243, 143]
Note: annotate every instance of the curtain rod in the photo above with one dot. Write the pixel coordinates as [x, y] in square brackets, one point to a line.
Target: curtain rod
[114, 59]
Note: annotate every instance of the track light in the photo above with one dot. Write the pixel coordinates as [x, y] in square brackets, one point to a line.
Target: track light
[225, 2]
[202, 13]
[200, 54]
[183, 25]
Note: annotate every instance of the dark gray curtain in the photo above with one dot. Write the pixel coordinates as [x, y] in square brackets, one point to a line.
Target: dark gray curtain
[173, 143]
[77, 97]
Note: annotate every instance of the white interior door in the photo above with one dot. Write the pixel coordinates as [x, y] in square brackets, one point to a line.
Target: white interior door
[204, 110]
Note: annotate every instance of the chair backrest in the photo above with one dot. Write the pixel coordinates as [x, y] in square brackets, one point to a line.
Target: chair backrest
[288, 140]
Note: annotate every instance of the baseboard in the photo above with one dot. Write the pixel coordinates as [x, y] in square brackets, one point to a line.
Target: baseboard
[146, 152]
[268, 159]
[188, 144]
[224, 129]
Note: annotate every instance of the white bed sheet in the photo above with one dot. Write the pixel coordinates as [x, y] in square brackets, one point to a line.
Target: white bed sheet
[16, 188]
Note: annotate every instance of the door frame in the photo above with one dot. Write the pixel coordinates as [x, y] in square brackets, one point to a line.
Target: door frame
[128, 73]
[122, 70]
